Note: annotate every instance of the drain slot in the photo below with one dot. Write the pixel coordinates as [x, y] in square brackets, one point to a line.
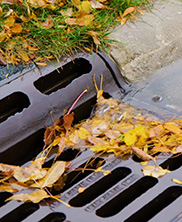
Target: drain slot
[54, 217]
[115, 205]
[100, 187]
[3, 197]
[156, 205]
[25, 150]
[75, 176]
[20, 213]
[63, 76]
[13, 103]
[172, 163]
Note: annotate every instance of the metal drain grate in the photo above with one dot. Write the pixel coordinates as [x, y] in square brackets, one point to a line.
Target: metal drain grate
[123, 195]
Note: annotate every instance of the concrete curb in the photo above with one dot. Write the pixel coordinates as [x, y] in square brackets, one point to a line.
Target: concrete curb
[150, 42]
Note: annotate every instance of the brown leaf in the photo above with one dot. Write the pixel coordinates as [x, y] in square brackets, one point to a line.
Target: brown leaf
[61, 146]
[34, 197]
[68, 120]
[141, 154]
[95, 36]
[96, 4]
[48, 23]
[2, 59]
[52, 175]
[128, 11]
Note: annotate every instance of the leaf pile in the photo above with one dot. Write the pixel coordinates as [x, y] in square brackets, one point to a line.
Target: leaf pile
[114, 128]
[40, 30]
[120, 129]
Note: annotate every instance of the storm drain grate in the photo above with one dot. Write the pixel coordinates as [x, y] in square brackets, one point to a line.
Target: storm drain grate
[123, 195]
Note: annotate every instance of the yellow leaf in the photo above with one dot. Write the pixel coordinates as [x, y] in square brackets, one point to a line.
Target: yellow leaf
[85, 7]
[52, 175]
[41, 63]
[34, 197]
[3, 35]
[23, 55]
[9, 21]
[95, 36]
[172, 128]
[83, 133]
[7, 187]
[17, 28]
[56, 141]
[81, 189]
[156, 131]
[177, 181]
[128, 11]
[82, 21]
[154, 171]
[130, 139]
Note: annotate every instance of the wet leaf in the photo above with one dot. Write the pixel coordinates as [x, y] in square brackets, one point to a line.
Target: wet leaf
[155, 171]
[34, 197]
[52, 175]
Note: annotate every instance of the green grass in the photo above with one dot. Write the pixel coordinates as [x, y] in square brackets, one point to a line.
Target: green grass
[62, 38]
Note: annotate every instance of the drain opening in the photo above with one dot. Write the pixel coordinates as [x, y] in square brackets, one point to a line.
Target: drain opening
[119, 202]
[173, 163]
[66, 74]
[67, 155]
[13, 103]
[156, 205]
[3, 197]
[25, 150]
[99, 187]
[75, 176]
[20, 213]
[54, 217]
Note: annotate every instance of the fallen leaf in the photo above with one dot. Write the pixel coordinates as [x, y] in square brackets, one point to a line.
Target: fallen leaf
[2, 58]
[177, 181]
[34, 197]
[97, 5]
[83, 133]
[49, 23]
[95, 36]
[85, 7]
[154, 171]
[172, 128]
[68, 120]
[17, 28]
[52, 175]
[68, 12]
[3, 35]
[81, 189]
[142, 154]
[128, 11]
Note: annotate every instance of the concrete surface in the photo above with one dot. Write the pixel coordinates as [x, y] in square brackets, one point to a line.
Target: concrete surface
[152, 41]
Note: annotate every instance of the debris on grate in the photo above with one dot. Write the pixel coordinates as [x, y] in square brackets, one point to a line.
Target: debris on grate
[124, 194]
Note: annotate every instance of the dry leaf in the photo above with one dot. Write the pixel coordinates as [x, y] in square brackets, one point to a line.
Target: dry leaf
[95, 36]
[68, 120]
[128, 11]
[52, 175]
[142, 154]
[17, 28]
[2, 58]
[85, 7]
[48, 23]
[97, 4]
[34, 197]
[154, 171]
[172, 128]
